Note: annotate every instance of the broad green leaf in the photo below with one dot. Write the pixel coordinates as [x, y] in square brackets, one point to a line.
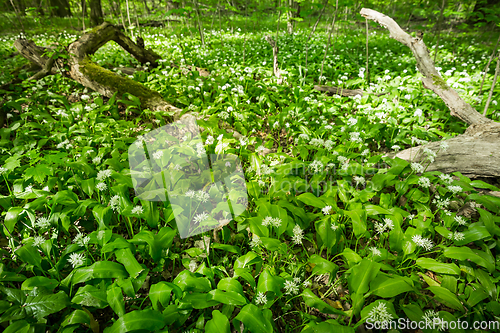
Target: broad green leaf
[114, 296]
[486, 281]
[103, 215]
[248, 259]
[269, 282]
[127, 259]
[90, 296]
[315, 302]
[438, 267]
[358, 218]
[467, 254]
[218, 324]
[362, 274]
[311, 200]
[144, 320]
[39, 281]
[322, 266]
[11, 217]
[253, 319]
[19, 326]
[386, 286]
[99, 270]
[446, 297]
[227, 297]
[30, 255]
[161, 292]
[187, 281]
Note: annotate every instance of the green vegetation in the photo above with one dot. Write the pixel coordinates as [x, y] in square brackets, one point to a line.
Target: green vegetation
[335, 236]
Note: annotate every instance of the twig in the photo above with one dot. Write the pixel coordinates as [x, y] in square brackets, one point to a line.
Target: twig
[492, 85]
[488, 65]
[329, 39]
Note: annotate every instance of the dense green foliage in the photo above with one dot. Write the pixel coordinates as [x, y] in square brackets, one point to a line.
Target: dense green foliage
[335, 234]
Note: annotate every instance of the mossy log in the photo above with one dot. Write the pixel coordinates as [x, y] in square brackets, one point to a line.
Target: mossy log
[95, 77]
[474, 153]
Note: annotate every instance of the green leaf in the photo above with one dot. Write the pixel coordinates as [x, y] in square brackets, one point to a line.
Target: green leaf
[315, 302]
[438, 267]
[311, 200]
[76, 317]
[103, 215]
[187, 281]
[486, 281]
[489, 222]
[39, 281]
[362, 274]
[248, 259]
[91, 296]
[269, 282]
[253, 319]
[127, 259]
[114, 296]
[323, 266]
[386, 286]
[227, 297]
[11, 217]
[161, 292]
[99, 270]
[144, 320]
[30, 255]
[467, 254]
[358, 218]
[446, 297]
[19, 326]
[218, 324]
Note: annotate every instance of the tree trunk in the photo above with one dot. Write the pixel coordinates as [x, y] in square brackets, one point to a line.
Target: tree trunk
[474, 153]
[95, 77]
[96, 16]
[60, 8]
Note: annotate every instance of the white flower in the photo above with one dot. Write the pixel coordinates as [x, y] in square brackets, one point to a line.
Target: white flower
[202, 196]
[81, 240]
[355, 137]
[190, 194]
[432, 319]
[101, 186]
[96, 160]
[306, 284]
[103, 174]
[261, 299]
[85, 97]
[39, 240]
[460, 220]
[42, 223]
[416, 167]
[396, 148]
[455, 189]
[430, 154]
[446, 178]
[267, 221]
[29, 188]
[388, 223]
[327, 210]
[334, 226]
[210, 140]
[458, 236]
[443, 146]
[417, 113]
[158, 154]
[316, 166]
[244, 141]
[380, 315]
[424, 182]
[359, 180]
[425, 243]
[200, 217]
[375, 252]
[291, 287]
[276, 222]
[329, 144]
[114, 202]
[256, 241]
[352, 121]
[76, 259]
[298, 234]
[137, 210]
[365, 152]
[441, 203]
[2, 170]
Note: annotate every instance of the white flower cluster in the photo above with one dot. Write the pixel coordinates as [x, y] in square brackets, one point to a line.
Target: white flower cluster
[103, 174]
[424, 243]
[380, 315]
[292, 286]
[327, 210]
[274, 221]
[388, 225]
[460, 220]
[298, 234]
[81, 240]
[441, 203]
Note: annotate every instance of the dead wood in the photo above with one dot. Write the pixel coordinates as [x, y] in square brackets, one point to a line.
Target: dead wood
[474, 153]
[276, 70]
[95, 77]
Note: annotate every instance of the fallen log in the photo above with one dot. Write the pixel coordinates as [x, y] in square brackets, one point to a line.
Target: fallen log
[342, 91]
[95, 77]
[474, 153]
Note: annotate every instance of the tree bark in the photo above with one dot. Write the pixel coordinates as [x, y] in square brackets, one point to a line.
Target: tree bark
[96, 16]
[60, 8]
[95, 77]
[474, 153]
